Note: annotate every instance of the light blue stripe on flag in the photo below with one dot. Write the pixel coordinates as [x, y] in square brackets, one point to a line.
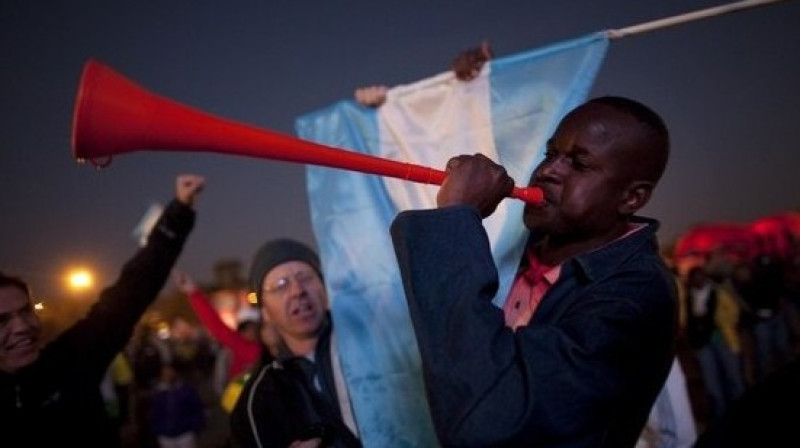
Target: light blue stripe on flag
[507, 113]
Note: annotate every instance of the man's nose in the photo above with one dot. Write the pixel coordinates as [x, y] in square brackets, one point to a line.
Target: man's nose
[549, 170]
[295, 286]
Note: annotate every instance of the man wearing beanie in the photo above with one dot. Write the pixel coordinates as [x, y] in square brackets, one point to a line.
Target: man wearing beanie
[300, 394]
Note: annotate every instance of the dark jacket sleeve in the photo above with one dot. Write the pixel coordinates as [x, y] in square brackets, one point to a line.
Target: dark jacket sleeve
[449, 280]
[109, 324]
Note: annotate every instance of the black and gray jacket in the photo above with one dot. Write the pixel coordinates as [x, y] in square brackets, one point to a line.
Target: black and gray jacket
[280, 404]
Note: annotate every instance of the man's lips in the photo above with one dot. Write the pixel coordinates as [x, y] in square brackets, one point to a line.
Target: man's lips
[548, 197]
[531, 195]
[21, 346]
[302, 310]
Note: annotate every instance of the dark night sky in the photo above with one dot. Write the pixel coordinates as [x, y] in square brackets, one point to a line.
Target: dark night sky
[727, 87]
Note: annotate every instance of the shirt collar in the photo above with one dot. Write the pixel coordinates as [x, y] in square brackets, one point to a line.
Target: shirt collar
[641, 232]
[534, 269]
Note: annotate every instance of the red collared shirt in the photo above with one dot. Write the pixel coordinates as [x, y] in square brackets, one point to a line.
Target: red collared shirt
[531, 284]
[527, 291]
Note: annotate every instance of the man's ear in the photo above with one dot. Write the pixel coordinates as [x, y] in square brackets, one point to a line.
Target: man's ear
[636, 196]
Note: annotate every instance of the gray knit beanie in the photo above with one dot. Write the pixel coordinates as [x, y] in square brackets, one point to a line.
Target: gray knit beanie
[275, 252]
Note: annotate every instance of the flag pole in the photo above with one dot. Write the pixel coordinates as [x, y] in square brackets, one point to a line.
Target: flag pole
[687, 17]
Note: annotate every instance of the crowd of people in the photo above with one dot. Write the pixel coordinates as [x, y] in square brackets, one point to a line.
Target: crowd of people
[581, 352]
[739, 330]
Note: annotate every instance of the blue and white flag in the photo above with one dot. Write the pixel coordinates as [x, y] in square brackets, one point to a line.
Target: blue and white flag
[507, 113]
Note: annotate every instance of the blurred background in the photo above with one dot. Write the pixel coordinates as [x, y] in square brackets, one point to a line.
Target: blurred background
[725, 85]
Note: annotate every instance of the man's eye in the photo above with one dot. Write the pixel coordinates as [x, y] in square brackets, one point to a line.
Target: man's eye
[304, 277]
[279, 284]
[579, 164]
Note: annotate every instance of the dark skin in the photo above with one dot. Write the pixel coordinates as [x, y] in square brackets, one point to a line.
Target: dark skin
[592, 179]
[468, 64]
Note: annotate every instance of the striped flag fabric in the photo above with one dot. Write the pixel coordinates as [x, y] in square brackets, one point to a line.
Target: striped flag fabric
[507, 113]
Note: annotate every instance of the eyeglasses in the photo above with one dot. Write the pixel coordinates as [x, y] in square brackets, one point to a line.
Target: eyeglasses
[281, 286]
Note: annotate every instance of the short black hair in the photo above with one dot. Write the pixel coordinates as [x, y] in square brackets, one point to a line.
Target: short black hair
[636, 109]
[14, 282]
[660, 139]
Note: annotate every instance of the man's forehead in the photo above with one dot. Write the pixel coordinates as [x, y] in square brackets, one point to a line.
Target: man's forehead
[585, 133]
[12, 299]
[597, 112]
[288, 267]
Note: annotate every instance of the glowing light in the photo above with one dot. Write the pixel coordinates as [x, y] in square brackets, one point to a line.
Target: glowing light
[251, 297]
[80, 279]
[163, 330]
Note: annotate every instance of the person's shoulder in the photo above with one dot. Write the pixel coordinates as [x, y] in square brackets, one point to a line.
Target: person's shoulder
[642, 239]
[256, 389]
[261, 374]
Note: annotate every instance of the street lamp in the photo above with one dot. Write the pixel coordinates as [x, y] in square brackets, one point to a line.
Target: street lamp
[80, 279]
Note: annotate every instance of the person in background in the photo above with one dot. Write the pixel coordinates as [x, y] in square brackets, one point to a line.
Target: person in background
[671, 423]
[116, 388]
[739, 284]
[177, 413]
[770, 329]
[586, 336]
[791, 298]
[712, 332]
[242, 348]
[191, 349]
[50, 396]
[298, 397]
[763, 416]
[243, 342]
[149, 353]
